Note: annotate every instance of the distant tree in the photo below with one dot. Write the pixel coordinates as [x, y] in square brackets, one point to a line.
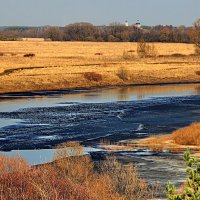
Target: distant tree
[55, 34]
[8, 37]
[82, 31]
[116, 24]
[197, 24]
[166, 35]
[195, 35]
[120, 32]
[112, 38]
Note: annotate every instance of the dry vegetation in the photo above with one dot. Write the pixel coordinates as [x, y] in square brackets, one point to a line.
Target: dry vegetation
[74, 178]
[187, 136]
[179, 140]
[93, 76]
[65, 65]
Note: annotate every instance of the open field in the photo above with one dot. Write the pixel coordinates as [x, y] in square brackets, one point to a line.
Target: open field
[65, 65]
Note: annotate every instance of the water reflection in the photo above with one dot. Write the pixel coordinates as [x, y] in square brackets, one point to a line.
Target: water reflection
[143, 92]
[123, 94]
[100, 96]
[198, 90]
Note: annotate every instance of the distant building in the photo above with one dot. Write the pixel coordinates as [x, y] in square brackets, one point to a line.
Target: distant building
[126, 23]
[137, 24]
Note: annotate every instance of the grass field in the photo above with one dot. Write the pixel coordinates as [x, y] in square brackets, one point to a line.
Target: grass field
[67, 65]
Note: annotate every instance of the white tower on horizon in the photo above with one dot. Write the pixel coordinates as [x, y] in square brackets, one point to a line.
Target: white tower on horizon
[138, 24]
[126, 23]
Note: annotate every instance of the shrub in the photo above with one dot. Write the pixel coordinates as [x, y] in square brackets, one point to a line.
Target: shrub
[71, 176]
[29, 55]
[146, 50]
[197, 73]
[131, 51]
[19, 181]
[13, 164]
[187, 136]
[13, 54]
[70, 160]
[178, 55]
[98, 54]
[125, 180]
[40, 183]
[123, 74]
[191, 190]
[93, 76]
[128, 55]
[197, 50]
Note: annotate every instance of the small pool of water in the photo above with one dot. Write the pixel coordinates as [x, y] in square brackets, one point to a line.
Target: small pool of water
[41, 156]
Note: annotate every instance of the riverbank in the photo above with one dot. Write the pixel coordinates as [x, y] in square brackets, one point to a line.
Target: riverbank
[176, 142]
[71, 65]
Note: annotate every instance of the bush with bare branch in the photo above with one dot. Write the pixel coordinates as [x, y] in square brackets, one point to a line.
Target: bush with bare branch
[195, 36]
[125, 180]
[123, 74]
[146, 50]
[71, 175]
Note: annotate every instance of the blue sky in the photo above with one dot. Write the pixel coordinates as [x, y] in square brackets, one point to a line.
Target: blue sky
[99, 12]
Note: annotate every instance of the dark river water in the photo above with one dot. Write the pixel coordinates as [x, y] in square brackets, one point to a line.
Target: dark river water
[42, 120]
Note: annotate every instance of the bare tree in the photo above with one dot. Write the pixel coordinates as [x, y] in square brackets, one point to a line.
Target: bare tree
[197, 24]
[55, 33]
[195, 35]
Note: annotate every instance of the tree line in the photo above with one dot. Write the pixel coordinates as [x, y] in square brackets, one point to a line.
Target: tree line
[114, 33]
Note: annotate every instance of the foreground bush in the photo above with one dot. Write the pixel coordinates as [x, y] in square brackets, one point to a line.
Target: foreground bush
[73, 178]
[11, 165]
[191, 190]
[125, 180]
[37, 183]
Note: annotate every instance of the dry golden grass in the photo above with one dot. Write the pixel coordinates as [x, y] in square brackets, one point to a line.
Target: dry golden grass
[33, 39]
[62, 65]
[188, 136]
[178, 141]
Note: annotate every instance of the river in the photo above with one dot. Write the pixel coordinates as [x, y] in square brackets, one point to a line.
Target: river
[31, 124]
